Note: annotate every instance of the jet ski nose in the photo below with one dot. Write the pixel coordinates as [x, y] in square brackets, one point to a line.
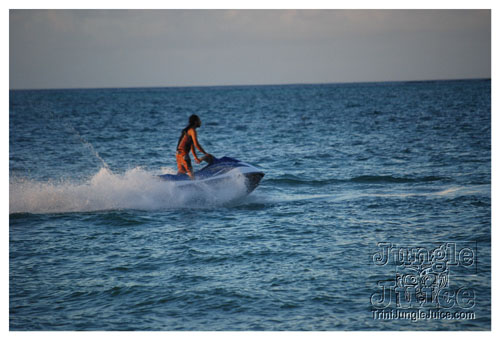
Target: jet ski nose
[253, 180]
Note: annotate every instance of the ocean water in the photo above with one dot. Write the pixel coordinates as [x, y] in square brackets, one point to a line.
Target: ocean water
[97, 243]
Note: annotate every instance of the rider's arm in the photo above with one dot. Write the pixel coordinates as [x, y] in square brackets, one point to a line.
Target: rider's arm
[195, 141]
[194, 154]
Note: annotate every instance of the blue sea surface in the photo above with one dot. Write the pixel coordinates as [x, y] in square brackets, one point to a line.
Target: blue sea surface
[96, 242]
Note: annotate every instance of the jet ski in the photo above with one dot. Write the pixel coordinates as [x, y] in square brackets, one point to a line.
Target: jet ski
[218, 171]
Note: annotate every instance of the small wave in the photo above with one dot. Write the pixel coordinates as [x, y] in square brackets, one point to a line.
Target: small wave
[136, 189]
[296, 181]
[478, 195]
[391, 179]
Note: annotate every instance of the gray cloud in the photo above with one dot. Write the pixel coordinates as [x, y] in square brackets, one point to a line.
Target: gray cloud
[103, 48]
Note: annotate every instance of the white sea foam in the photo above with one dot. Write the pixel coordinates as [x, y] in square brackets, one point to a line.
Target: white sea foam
[135, 189]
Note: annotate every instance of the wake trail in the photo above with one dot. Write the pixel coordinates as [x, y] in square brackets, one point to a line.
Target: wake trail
[135, 189]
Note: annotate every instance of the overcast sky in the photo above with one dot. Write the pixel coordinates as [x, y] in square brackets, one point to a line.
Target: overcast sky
[118, 48]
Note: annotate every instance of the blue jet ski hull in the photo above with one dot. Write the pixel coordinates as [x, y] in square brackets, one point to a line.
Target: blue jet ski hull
[220, 170]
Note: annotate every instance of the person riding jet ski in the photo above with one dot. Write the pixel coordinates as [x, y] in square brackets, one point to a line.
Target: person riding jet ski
[187, 142]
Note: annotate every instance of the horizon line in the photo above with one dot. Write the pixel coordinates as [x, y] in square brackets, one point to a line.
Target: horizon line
[246, 85]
